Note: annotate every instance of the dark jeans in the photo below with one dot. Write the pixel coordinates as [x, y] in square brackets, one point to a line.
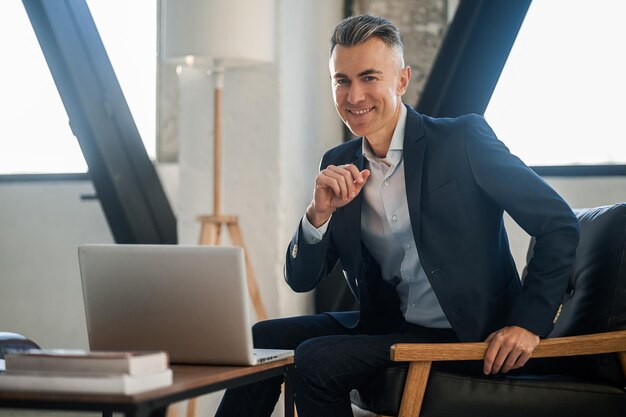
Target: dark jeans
[330, 361]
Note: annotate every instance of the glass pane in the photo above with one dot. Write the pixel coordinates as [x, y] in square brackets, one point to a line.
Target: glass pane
[129, 32]
[36, 137]
[559, 100]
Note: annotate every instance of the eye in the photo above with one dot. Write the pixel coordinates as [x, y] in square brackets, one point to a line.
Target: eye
[370, 78]
[341, 81]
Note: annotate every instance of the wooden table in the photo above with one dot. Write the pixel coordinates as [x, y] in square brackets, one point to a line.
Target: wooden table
[189, 382]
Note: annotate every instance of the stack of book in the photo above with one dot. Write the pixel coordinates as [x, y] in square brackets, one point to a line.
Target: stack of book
[77, 371]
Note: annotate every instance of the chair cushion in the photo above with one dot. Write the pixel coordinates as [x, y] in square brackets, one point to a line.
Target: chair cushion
[454, 395]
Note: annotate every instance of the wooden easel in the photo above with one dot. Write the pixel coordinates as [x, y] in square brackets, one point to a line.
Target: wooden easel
[211, 226]
[210, 234]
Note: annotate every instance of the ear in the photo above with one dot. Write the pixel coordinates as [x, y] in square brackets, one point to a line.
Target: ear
[403, 80]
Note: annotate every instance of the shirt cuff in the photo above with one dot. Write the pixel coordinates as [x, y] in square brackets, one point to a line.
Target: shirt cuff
[312, 235]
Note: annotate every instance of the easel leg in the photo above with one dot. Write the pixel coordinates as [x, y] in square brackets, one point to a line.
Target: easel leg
[172, 410]
[210, 233]
[237, 239]
[192, 407]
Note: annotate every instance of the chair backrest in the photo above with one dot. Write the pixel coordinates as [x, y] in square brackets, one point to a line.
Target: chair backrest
[595, 301]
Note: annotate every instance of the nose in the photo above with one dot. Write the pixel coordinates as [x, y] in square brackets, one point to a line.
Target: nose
[356, 93]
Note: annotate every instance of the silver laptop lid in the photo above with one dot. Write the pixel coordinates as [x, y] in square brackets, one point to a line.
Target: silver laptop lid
[188, 300]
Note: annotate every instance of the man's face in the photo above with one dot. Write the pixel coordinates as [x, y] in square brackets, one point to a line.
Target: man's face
[368, 83]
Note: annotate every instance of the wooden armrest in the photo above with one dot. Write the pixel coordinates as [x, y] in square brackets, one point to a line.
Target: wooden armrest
[591, 344]
[421, 356]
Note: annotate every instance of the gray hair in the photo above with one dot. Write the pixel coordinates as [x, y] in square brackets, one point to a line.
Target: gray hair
[355, 30]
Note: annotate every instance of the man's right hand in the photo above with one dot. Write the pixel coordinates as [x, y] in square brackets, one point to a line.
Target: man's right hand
[335, 187]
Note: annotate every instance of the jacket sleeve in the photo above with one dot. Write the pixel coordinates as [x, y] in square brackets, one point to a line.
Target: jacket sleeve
[537, 209]
[306, 264]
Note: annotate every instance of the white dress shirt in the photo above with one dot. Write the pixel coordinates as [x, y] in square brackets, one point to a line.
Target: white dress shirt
[387, 234]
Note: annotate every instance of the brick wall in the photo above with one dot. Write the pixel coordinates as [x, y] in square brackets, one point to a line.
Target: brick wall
[422, 24]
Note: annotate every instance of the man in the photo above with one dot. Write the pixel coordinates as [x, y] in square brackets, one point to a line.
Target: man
[413, 211]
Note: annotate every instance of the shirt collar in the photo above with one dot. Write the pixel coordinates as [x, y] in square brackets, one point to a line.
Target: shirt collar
[397, 143]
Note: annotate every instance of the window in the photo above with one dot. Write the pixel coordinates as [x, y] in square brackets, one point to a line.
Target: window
[36, 137]
[559, 100]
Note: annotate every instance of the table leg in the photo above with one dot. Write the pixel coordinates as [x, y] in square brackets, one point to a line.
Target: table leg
[148, 412]
[288, 393]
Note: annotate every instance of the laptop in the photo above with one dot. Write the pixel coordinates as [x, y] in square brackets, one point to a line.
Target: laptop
[191, 301]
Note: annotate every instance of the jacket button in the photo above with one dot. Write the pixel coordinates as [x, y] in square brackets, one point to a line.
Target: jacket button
[558, 313]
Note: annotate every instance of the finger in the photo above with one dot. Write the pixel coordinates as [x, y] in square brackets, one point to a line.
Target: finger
[336, 174]
[356, 174]
[365, 175]
[352, 176]
[521, 360]
[511, 360]
[345, 180]
[324, 181]
[490, 355]
[501, 358]
[507, 348]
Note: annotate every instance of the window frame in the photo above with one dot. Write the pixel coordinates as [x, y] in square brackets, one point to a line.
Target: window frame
[469, 63]
[125, 179]
[38, 174]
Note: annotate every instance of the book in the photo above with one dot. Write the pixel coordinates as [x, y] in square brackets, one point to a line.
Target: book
[75, 383]
[86, 362]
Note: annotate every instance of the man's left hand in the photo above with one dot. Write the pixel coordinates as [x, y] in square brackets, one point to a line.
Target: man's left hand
[509, 348]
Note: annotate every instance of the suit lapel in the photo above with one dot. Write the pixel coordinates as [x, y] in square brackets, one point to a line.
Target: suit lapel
[352, 216]
[353, 210]
[413, 154]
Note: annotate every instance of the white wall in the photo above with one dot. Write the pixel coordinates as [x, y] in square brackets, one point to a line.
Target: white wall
[42, 224]
[309, 124]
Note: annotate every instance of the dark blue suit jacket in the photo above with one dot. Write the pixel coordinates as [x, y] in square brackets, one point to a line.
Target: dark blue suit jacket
[459, 180]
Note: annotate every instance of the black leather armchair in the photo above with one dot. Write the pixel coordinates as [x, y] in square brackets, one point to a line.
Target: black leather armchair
[584, 377]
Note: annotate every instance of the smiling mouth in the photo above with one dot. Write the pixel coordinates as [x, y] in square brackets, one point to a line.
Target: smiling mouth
[360, 112]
